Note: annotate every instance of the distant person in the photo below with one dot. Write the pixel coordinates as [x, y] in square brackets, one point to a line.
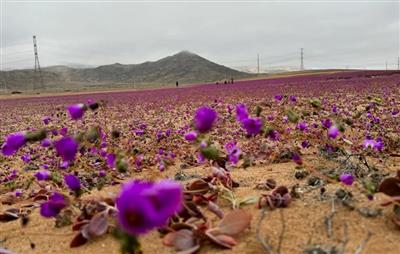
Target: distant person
[231, 80]
[225, 82]
[177, 84]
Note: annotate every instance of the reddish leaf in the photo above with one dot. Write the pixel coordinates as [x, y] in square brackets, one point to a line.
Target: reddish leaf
[213, 207]
[39, 198]
[183, 240]
[168, 239]
[78, 225]
[391, 201]
[179, 226]
[98, 225]
[390, 186]
[222, 240]
[233, 223]
[198, 186]
[9, 215]
[78, 240]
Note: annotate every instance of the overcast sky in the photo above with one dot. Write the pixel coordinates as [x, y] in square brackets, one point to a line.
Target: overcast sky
[333, 34]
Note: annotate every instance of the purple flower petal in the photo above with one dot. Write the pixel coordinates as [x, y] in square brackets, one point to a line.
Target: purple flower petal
[76, 111]
[72, 182]
[204, 119]
[66, 148]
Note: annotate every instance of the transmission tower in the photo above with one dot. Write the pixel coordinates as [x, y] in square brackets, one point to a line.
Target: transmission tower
[37, 65]
[301, 59]
[258, 64]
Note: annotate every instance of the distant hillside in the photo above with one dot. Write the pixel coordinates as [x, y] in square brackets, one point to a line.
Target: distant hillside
[184, 67]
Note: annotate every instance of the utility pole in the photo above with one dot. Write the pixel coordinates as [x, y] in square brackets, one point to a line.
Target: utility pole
[37, 65]
[258, 64]
[302, 59]
[398, 63]
[386, 65]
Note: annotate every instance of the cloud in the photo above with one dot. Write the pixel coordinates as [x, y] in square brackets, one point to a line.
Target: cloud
[332, 34]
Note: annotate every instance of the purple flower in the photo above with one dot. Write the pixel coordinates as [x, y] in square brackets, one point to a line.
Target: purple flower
[139, 132]
[46, 142]
[326, 123]
[66, 148]
[278, 97]
[241, 112]
[191, 136]
[200, 158]
[230, 146]
[64, 131]
[234, 152]
[64, 165]
[334, 109]
[72, 182]
[273, 135]
[296, 158]
[76, 111]
[159, 135]
[54, 206]
[102, 173]
[18, 193]
[230, 108]
[26, 158]
[292, 98]
[46, 120]
[234, 156]
[111, 160]
[305, 144]
[13, 143]
[252, 126]
[379, 144]
[346, 178]
[302, 126]
[333, 132]
[161, 167]
[139, 161]
[204, 119]
[42, 175]
[144, 205]
[369, 143]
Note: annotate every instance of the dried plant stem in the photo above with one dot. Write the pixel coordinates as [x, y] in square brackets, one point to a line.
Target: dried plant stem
[328, 219]
[345, 237]
[260, 238]
[361, 246]
[282, 231]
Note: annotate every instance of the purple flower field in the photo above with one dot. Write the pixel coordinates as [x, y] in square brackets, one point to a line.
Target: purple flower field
[279, 165]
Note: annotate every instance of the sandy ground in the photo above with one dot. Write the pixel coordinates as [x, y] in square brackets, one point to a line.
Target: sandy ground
[304, 220]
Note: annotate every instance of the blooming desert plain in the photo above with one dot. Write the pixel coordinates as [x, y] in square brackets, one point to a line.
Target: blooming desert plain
[297, 164]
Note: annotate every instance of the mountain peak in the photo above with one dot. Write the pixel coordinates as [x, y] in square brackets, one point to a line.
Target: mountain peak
[185, 53]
